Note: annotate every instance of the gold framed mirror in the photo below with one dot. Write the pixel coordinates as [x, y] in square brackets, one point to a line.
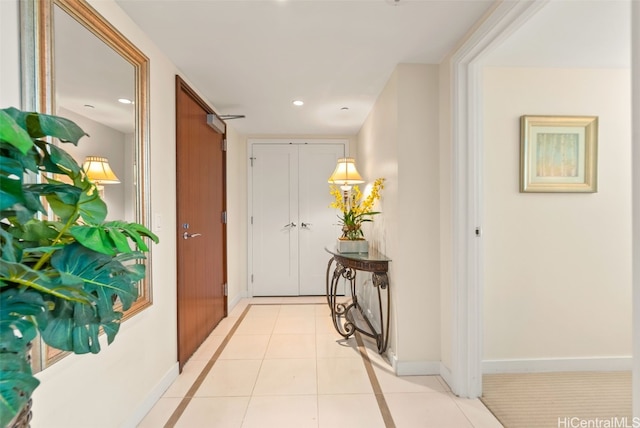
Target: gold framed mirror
[77, 65]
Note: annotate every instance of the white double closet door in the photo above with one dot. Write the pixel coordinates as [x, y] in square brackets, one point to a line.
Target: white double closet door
[290, 219]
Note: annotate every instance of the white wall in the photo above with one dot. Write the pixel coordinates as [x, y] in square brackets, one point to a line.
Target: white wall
[378, 157]
[418, 261]
[557, 266]
[237, 216]
[446, 225]
[10, 54]
[635, 68]
[399, 141]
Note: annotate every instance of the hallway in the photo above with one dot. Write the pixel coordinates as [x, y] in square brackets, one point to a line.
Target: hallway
[278, 362]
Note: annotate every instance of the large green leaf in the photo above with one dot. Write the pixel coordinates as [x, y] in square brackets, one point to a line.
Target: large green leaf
[10, 193]
[94, 238]
[28, 161]
[15, 305]
[9, 251]
[55, 126]
[44, 161]
[12, 133]
[63, 198]
[41, 125]
[18, 115]
[64, 160]
[26, 203]
[104, 276]
[16, 332]
[16, 385]
[73, 201]
[10, 182]
[71, 327]
[92, 208]
[40, 232]
[75, 327]
[49, 282]
[113, 237]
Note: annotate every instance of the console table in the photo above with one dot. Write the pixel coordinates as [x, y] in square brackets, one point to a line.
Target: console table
[348, 317]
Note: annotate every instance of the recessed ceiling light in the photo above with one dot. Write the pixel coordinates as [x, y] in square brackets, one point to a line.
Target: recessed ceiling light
[344, 108]
[89, 106]
[298, 103]
[125, 101]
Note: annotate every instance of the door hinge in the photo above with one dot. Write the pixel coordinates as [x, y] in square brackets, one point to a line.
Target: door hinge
[478, 232]
[224, 144]
[252, 278]
[224, 217]
[225, 289]
[252, 220]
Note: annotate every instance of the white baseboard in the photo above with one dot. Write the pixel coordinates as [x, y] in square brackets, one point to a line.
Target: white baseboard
[232, 303]
[153, 397]
[417, 368]
[413, 368]
[557, 365]
[445, 374]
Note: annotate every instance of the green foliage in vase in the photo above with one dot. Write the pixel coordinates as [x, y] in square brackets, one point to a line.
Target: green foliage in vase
[354, 209]
[66, 276]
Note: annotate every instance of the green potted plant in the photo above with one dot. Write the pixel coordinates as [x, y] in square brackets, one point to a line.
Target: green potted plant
[354, 210]
[66, 278]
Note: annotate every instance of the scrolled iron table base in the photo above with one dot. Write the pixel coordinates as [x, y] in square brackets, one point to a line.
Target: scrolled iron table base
[348, 317]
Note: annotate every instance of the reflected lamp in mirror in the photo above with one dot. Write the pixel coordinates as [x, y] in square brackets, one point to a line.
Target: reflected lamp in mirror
[346, 175]
[99, 171]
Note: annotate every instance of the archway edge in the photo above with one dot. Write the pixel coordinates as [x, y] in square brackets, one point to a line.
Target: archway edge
[502, 20]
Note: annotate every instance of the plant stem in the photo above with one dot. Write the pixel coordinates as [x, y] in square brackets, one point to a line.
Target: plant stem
[46, 256]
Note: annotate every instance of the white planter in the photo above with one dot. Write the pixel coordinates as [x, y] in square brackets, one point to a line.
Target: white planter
[359, 246]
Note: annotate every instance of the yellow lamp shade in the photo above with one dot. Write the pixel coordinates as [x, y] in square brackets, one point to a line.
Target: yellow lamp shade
[346, 173]
[98, 170]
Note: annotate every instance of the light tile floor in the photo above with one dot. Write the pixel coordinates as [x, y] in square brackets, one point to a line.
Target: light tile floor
[285, 366]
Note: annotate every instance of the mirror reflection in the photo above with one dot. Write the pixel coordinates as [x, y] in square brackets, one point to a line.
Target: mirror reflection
[90, 78]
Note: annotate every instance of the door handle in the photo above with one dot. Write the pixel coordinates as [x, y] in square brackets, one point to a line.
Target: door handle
[305, 225]
[292, 224]
[188, 235]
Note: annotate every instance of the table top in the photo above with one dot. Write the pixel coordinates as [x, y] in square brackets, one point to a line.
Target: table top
[371, 256]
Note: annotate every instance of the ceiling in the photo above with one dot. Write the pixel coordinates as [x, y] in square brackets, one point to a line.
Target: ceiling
[571, 34]
[254, 57]
[91, 88]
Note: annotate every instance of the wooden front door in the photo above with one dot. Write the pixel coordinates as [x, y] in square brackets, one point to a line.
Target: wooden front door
[201, 229]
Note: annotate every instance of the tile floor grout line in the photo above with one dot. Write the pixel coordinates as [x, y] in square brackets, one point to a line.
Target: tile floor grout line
[377, 390]
[177, 413]
[380, 399]
[255, 382]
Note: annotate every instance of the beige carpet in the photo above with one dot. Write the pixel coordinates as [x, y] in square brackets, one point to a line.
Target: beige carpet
[557, 400]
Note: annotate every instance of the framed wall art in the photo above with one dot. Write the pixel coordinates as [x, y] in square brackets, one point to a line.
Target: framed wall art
[558, 154]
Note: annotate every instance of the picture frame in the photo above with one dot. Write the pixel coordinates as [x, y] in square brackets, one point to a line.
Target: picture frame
[558, 154]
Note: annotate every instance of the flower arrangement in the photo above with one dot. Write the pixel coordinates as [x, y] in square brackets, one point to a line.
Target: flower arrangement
[354, 209]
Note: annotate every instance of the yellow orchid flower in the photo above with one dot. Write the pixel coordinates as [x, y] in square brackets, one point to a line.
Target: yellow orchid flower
[354, 210]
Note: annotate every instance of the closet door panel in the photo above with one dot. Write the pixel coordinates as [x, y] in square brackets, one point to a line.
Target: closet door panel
[275, 220]
[318, 223]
